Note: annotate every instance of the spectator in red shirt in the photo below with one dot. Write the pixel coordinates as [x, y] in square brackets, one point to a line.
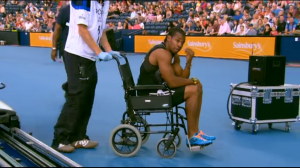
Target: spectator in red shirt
[136, 25]
[274, 31]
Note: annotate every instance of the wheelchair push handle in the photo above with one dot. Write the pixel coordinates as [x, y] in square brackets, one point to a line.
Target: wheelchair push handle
[2, 85]
[117, 59]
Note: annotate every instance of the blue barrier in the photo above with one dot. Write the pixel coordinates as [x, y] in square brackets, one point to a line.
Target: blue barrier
[25, 39]
[289, 48]
[119, 44]
[130, 32]
[128, 43]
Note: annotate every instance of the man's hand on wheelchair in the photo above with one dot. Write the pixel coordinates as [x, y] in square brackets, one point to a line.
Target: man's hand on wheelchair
[107, 56]
[104, 56]
[116, 54]
[189, 54]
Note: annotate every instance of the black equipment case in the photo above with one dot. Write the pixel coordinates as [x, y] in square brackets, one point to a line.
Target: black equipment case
[263, 105]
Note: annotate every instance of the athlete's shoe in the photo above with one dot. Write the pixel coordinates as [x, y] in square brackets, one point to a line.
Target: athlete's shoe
[207, 137]
[198, 140]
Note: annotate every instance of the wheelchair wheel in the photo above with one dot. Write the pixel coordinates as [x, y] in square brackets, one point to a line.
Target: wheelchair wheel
[163, 152]
[141, 125]
[177, 139]
[125, 140]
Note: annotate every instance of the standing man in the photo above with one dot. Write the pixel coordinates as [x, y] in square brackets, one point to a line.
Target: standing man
[86, 31]
[60, 35]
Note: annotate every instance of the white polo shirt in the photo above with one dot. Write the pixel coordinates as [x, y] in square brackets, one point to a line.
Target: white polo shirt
[93, 15]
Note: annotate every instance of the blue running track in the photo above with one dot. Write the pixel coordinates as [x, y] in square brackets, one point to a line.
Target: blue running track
[33, 89]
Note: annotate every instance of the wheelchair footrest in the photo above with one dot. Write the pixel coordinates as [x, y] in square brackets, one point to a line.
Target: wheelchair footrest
[196, 148]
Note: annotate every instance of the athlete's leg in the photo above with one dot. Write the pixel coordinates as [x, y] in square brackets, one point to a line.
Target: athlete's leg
[198, 92]
[192, 95]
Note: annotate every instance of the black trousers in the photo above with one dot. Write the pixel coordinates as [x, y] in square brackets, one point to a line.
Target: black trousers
[61, 53]
[81, 85]
[61, 48]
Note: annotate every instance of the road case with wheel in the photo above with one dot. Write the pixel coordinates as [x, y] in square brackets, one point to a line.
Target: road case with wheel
[263, 105]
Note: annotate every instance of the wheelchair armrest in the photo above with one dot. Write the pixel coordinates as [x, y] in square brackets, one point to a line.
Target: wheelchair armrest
[148, 87]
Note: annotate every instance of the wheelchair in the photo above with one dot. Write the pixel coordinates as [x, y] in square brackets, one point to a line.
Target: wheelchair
[134, 124]
[2, 85]
[8, 116]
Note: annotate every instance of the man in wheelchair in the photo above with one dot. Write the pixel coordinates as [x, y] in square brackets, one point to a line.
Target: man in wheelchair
[162, 66]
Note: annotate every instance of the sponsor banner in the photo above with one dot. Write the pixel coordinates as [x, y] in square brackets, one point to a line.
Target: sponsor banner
[41, 39]
[215, 47]
[143, 44]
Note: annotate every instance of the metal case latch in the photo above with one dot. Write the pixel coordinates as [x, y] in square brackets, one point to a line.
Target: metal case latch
[267, 96]
[236, 100]
[288, 96]
[254, 91]
[246, 102]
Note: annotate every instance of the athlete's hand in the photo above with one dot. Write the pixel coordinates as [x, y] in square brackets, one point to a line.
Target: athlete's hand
[198, 82]
[189, 54]
[104, 56]
[54, 55]
[116, 53]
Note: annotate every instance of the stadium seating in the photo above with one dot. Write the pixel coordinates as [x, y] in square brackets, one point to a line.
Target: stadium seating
[154, 28]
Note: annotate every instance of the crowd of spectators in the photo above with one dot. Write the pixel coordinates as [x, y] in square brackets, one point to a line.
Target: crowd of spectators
[231, 17]
[208, 17]
[28, 15]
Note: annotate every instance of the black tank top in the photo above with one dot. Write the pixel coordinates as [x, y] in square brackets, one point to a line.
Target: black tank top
[150, 74]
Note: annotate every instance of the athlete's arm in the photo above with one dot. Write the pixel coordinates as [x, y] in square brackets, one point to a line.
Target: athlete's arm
[164, 59]
[82, 14]
[104, 42]
[178, 69]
